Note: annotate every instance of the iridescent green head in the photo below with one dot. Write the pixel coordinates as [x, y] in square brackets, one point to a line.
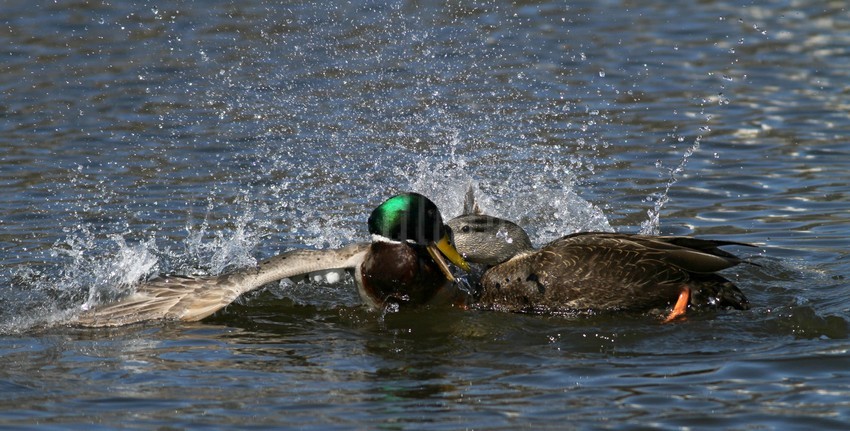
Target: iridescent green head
[413, 217]
[408, 217]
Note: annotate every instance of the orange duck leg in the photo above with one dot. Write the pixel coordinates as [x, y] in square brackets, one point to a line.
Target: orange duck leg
[681, 305]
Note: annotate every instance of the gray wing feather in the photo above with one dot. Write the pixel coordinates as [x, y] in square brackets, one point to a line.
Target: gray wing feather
[192, 299]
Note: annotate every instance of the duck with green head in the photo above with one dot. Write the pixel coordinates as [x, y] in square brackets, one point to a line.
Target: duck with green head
[593, 271]
[405, 264]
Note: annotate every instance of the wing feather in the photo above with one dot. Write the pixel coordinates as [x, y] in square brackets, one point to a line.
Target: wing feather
[192, 299]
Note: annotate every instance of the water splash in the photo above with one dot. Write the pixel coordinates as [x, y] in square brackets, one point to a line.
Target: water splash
[546, 208]
[652, 225]
[222, 250]
[112, 275]
[94, 270]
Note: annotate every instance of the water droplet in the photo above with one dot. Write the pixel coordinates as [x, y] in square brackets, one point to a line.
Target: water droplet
[502, 233]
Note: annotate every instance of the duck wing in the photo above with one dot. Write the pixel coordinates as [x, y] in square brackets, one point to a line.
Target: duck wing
[700, 256]
[194, 298]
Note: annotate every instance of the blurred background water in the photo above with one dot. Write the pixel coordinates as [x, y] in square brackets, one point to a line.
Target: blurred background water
[199, 137]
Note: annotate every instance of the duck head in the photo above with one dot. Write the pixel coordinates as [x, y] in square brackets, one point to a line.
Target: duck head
[411, 217]
[488, 240]
[485, 239]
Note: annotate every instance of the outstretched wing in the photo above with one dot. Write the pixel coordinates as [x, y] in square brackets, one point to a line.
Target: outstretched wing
[192, 299]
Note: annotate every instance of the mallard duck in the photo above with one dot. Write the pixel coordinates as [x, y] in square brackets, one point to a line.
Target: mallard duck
[594, 271]
[403, 264]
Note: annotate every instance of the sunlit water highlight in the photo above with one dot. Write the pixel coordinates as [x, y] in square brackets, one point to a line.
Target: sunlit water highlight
[201, 138]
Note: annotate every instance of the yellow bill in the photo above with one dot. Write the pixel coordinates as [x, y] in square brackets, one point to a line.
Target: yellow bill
[450, 252]
[445, 248]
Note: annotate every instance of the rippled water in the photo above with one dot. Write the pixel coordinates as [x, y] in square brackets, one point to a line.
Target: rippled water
[199, 137]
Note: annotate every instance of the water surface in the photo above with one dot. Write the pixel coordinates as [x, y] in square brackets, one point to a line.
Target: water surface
[197, 138]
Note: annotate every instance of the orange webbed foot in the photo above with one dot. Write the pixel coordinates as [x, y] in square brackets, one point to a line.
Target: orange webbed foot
[681, 305]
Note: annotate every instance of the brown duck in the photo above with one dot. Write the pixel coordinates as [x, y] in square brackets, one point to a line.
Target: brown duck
[594, 271]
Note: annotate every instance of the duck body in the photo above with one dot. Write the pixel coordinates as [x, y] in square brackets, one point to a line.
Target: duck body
[594, 271]
[609, 272]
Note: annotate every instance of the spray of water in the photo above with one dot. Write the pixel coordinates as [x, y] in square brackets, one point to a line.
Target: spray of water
[651, 226]
[547, 209]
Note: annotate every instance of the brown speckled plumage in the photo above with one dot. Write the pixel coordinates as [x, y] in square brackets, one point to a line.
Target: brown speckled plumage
[597, 271]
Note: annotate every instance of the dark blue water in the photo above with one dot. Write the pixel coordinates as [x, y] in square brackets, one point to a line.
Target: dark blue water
[200, 137]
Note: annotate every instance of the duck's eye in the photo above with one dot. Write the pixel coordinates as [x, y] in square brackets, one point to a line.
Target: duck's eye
[465, 228]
